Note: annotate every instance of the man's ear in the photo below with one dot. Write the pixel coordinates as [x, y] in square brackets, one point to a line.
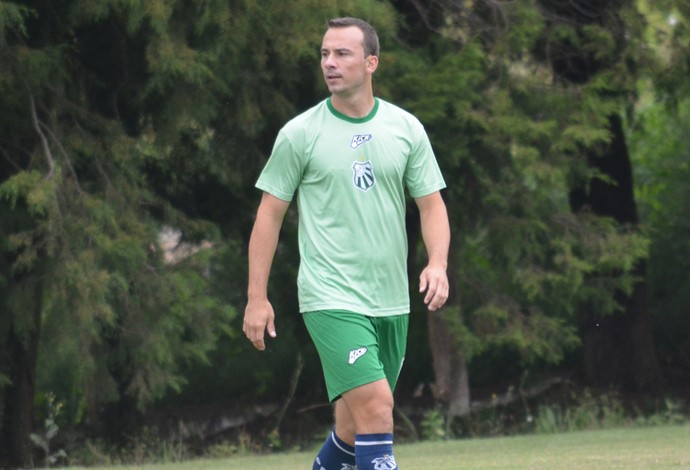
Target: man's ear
[372, 63]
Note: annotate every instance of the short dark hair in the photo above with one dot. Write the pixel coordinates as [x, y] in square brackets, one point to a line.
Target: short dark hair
[371, 39]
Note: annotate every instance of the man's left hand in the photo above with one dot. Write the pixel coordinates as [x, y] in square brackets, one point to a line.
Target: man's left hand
[434, 281]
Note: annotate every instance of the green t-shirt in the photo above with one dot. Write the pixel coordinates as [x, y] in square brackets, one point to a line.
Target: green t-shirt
[350, 177]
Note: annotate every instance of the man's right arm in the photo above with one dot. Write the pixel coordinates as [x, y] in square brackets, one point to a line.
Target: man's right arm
[258, 315]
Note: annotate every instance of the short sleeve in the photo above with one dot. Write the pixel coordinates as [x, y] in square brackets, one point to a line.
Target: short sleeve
[423, 175]
[283, 172]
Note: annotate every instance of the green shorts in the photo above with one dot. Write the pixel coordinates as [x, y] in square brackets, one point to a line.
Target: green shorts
[356, 349]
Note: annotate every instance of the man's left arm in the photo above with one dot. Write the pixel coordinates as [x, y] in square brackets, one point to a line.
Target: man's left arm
[436, 236]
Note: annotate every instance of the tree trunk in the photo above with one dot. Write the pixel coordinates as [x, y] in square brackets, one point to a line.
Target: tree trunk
[18, 359]
[618, 348]
[451, 379]
[450, 367]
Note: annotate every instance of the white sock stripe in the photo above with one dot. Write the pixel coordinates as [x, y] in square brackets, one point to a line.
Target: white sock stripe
[339, 446]
[372, 443]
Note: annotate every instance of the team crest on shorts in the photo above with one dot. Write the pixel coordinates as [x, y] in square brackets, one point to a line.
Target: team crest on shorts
[363, 175]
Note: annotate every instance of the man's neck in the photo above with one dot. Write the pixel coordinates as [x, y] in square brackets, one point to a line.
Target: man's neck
[354, 107]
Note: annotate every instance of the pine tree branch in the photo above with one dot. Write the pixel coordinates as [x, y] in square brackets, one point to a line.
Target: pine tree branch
[44, 141]
[64, 154]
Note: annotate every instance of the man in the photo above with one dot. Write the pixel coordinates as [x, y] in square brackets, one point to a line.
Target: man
[351, 157]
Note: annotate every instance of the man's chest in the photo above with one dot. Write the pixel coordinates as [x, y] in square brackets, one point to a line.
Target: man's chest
[361, 157]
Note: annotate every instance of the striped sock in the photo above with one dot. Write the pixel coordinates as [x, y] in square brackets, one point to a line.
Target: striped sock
[335, 454]
[374, 451]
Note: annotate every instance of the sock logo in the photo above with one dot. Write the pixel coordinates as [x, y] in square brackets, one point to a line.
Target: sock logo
[345, 466]
[356, 354]
[387, 462]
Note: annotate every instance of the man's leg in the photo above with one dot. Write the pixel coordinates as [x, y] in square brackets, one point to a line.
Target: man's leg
[344, 424]
[335, 454]
[365, 416]
[359, 376]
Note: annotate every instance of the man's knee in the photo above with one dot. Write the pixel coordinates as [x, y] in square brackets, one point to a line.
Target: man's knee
[371, 407]
[380, 412]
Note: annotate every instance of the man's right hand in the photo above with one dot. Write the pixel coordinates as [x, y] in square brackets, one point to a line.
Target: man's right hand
[259, 318]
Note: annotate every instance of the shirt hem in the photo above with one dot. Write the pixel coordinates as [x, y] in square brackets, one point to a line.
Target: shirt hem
[367, 312]
[273, 191]
[427, 191]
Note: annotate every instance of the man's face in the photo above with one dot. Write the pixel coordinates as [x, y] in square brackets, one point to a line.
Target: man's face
[343, 62]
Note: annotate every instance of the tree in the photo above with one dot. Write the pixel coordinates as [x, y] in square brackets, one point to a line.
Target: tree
[80, 226]
[493, 144]
[658, 148]
[591, 46]
[657, 133]
[512, 135]
[122, 121]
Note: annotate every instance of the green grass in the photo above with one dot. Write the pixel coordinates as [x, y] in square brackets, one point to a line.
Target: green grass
[628, 448]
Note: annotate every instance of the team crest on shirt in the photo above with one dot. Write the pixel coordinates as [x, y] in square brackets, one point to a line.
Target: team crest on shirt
[363, 175]
[359, 139]
[387, 462]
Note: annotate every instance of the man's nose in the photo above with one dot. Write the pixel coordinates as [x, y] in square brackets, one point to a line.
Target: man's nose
[328, 61]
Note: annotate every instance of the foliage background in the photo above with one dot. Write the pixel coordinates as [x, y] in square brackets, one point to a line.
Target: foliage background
[131, 134]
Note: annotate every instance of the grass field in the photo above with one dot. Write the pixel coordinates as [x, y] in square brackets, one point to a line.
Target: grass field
[628, 448]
